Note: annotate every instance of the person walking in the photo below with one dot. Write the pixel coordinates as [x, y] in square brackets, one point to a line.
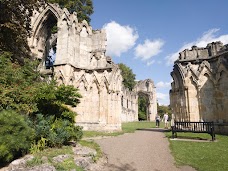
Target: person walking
[165, 119]
[157, 119]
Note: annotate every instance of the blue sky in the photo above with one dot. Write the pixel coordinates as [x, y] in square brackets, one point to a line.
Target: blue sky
[147, 35]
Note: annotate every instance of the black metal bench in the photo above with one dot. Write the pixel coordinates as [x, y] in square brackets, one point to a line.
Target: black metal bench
[195, 127]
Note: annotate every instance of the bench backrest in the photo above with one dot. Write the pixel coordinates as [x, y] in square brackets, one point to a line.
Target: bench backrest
[194, 126]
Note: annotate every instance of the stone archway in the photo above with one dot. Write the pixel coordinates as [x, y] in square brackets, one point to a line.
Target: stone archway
[143, 106]
[146, 89]
[43, 40]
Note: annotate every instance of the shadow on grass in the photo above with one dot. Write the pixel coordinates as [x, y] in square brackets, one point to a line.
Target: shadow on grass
[154, 129]
[191, 136]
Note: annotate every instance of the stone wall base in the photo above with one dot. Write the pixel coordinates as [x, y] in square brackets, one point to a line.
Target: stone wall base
[221, 128]
[103, 127]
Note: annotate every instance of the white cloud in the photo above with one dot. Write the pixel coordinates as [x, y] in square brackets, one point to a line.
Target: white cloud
[162, 84]
[119, 38]
[149, 49]
[206, 38]
[150, 63]
[162, 96]
[163, 99]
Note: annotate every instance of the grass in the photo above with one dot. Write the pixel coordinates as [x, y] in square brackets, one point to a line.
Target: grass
[67, 164]
[203, 156]
[93, 145]
[49, 153]
[129, 127]
[87, 134]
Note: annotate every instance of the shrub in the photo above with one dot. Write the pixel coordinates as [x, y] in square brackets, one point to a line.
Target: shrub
[16, 136]
[56, 131]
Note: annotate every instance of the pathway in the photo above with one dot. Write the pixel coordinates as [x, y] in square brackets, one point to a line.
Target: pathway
[144, 150]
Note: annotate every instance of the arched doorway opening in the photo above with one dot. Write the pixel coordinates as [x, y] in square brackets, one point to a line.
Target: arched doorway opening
[45, 39]
[143, 107]
[50, 34]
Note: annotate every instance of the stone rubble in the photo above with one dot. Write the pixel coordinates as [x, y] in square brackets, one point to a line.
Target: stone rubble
[83, 157]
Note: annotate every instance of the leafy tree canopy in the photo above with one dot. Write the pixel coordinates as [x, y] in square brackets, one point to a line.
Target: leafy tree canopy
[15, 26]
[84, 8]
[15, 22]
[164, 109]
[21, 89]
[128, 76]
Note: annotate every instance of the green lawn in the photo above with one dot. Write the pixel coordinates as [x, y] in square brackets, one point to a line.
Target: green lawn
[203, 156]
[132, 126]
[126, 128]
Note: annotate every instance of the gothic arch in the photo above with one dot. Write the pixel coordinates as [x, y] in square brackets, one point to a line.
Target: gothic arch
[205, 71]
[95, 80]
[204, 68]
[104, 81]
[84, 80]
[178, 77]
[116, 79]
[44, 35]
[86, 25]
[221, 68]
[37, 26]
[60, 77]
[194, 81]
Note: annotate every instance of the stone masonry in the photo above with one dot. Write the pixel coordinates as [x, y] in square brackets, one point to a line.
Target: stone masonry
[200, 84]
[79, 59]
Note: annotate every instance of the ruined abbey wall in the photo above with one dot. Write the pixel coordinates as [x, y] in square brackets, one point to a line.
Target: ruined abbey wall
[200, 84]
[80, 61]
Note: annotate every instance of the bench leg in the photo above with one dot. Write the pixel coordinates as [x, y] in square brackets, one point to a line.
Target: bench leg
[212, 133]
[213, 136]
[174, 133]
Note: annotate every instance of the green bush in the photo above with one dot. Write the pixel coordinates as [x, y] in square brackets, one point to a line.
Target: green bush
[56, 131]
[16, 136]
[46, 104]
[142, 116]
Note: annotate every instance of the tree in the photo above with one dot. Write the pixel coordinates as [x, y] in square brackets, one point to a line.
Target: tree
[164, 109]
[128, 76]
[16, 135]
[142, 107]
[15, 26]
[84, 8]
[18, 85]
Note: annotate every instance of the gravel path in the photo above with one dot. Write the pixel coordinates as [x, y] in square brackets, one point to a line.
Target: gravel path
[144, 150]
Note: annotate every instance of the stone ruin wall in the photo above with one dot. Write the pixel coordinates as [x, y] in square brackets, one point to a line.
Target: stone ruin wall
[129, 104]
[200, 84]
[147, 88]
[129, 101]
[81, 61]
